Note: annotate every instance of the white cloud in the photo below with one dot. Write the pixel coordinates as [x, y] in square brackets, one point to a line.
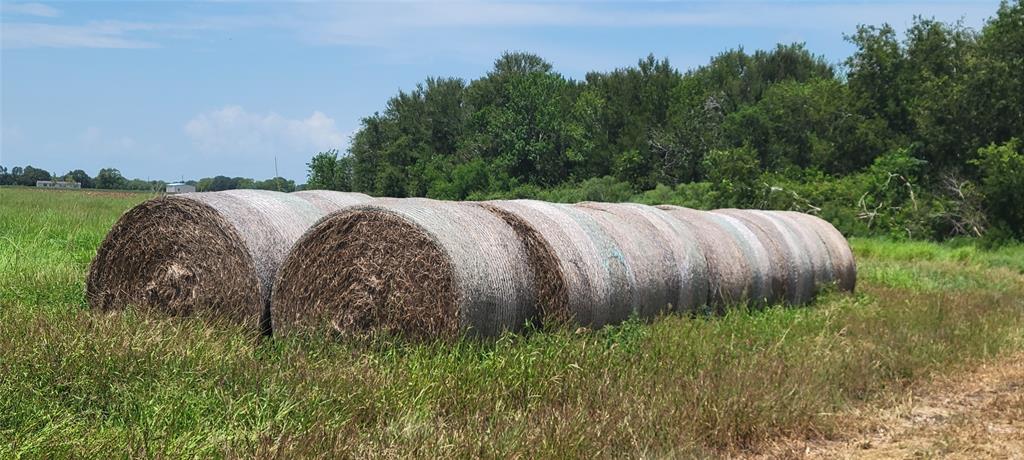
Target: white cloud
[234, 131]
[30, 9]
[106, 34]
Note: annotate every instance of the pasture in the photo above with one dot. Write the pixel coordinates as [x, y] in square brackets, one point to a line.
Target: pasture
[76, 383]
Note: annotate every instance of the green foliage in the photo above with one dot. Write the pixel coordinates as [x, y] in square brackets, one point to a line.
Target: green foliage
[328, 172]
[79, 176]
[110, 178]
[29, 175]
[1002, 182]
[734, 176]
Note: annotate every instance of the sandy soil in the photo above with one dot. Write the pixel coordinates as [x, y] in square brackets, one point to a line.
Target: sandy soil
[971, 415]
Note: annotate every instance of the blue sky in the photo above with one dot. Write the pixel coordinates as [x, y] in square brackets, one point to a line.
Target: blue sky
[170, 90]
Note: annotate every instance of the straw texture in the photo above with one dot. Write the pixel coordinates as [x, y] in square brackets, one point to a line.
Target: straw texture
[589, 263]
[215, 254]
[415, 267]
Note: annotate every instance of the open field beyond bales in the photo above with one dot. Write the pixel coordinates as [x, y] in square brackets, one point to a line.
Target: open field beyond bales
[74, 383]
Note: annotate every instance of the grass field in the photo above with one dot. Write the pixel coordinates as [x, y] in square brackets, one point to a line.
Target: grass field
[74, 383]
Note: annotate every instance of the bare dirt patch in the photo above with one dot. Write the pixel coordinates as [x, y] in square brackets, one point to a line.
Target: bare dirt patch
[969, 415]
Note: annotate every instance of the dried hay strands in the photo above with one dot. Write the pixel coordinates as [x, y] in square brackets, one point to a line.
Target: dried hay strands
[416, 267]
[213, 254]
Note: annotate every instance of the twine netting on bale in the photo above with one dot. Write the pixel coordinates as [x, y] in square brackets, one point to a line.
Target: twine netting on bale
[817, 263]
[328, 201]
[647, 253]
[586, 262]
[731, 277]
[781, 263]
[540, 238]
[843, 267]
[668, 266]
[416, 267]
[212, 254]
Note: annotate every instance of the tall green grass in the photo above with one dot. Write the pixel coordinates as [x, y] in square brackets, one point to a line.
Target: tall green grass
[75, 383]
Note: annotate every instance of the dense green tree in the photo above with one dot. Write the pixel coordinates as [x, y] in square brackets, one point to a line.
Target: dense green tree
[1002, 182]
[110, 178]
[30, 175]
[277, 184]
[79, 176]
[328, 172]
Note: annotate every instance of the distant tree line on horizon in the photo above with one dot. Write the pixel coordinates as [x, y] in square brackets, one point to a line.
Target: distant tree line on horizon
[111, 179]
[918, 136]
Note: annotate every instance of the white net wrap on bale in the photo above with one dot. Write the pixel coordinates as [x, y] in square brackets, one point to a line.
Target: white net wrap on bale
[328, 201]
[787, 280]
[416, 267]
[664, 266]
[215, 254]
[736, 261]
[841, 266]
[585, 274]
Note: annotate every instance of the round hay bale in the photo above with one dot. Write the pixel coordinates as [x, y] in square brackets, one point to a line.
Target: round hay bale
[587, 266]
[648, 257]
[328, 201]
[210, 254]
[547, 245]
[731, 277]
[816, 251]
[780, 265]
[416, 267]
[842, 263]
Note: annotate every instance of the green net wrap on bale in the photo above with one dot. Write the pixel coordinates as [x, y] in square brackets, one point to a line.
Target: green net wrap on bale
[664, 265]
[212, 254]
[415, 267]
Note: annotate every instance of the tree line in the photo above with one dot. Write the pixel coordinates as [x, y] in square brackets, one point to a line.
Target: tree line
[112, 179]
[916, 136]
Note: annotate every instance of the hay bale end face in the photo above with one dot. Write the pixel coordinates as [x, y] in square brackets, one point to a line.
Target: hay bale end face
[415, 267]
[546, 245]
[209, 254]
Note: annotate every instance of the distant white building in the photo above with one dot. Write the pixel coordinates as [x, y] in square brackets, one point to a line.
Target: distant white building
[179, 187]
[57, 184]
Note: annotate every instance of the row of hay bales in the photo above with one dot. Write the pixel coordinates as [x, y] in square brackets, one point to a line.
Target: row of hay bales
[322, 260]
